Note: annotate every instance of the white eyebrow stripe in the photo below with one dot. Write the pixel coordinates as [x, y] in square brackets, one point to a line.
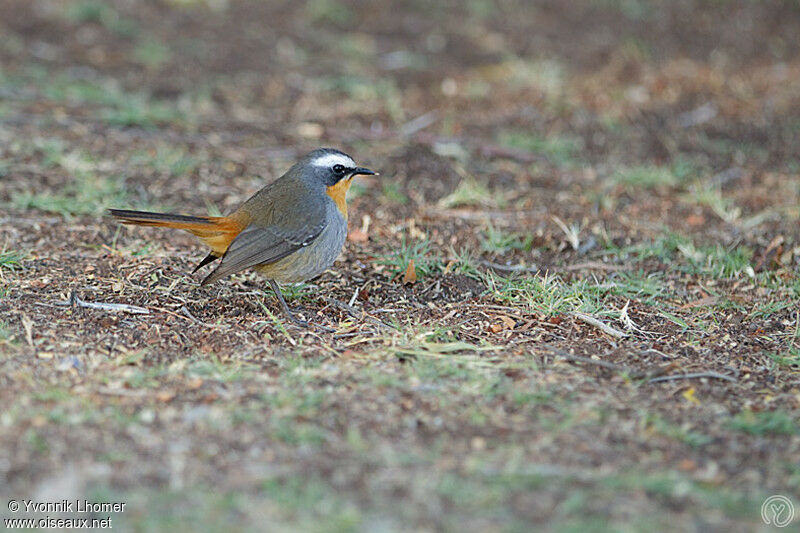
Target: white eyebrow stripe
[328, 160]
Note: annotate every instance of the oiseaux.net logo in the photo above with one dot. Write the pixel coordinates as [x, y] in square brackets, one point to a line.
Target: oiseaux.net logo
[777, 510]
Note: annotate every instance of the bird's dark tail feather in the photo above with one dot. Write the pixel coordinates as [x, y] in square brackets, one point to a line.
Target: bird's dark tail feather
[210, 258]
[146, 218]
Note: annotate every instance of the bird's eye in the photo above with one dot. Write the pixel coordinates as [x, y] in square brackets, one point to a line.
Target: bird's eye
[339, 169]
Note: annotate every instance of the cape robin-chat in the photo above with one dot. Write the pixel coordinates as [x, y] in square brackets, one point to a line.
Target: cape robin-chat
[292, 230]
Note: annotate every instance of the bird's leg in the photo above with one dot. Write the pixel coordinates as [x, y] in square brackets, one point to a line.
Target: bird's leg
[277, 290]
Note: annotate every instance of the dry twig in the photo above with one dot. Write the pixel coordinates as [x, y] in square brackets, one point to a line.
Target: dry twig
[510, 268]
[594, 265]
[599, 324]
[693, 375]
[355, 313]
[27, 324]
[75, 301]
[652, 376]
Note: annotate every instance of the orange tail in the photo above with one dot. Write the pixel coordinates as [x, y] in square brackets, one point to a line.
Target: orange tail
[216, 232]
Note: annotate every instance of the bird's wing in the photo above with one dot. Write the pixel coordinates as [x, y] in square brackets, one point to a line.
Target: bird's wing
[271, 236]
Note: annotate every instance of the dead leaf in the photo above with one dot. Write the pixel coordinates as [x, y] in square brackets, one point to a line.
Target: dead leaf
[508, 322]
[689, 396]
[410, 275]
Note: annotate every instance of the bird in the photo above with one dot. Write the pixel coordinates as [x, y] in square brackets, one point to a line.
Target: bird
[290, 231]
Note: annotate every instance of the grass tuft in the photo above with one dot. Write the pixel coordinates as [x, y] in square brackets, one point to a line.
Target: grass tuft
[11, 259]
[787, 360]
[716, 260]
[763, 423]
[546, 294]
[497, 241]
[469, 193]
[420, 252]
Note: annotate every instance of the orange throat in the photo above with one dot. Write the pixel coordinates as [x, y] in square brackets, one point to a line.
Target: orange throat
[339, 193]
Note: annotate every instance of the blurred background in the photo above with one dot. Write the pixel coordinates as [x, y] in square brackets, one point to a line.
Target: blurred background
[685, 85]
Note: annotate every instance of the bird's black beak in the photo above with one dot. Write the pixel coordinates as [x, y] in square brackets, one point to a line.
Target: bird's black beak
[364, 171]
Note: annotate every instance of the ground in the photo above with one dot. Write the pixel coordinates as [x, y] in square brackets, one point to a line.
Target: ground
[600, 329]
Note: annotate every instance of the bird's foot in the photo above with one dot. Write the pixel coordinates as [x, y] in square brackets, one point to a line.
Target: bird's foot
[292, 318]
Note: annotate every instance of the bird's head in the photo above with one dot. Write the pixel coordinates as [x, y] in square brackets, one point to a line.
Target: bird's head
[331, 167]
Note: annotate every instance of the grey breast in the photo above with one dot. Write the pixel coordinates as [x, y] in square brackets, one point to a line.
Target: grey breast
[312, 260]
